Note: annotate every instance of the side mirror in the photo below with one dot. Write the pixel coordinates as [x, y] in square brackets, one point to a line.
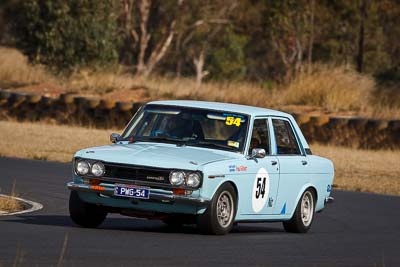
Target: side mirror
[258, 153]
[114, 137]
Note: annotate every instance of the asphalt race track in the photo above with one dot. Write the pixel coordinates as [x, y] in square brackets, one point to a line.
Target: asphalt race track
[359, 229]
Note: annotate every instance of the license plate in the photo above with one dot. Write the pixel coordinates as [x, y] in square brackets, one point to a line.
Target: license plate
[131, 191]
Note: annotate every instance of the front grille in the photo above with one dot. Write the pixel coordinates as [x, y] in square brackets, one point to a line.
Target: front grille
[136, 173]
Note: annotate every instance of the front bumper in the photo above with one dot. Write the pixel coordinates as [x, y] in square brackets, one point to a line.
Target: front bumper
[107, 190]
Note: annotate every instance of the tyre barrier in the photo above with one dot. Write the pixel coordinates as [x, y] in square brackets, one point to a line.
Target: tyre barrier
[319, 120]
[4, 95]
[338, 122]
[124, 106]
[100, 113]
[33, 99]
[107, 104]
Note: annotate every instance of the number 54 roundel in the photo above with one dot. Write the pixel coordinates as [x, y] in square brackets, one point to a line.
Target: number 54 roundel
[260, 190]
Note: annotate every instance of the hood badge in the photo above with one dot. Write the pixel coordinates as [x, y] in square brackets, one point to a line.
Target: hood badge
[193, 162]
[90, 151]
[156, 178]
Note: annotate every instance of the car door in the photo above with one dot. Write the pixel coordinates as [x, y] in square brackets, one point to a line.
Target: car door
[262, 179]
[293, 164]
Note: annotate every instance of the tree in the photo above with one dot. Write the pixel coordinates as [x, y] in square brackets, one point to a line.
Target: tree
[66, 33]
[149, 42]
[2, 24]
[199, 33]
[361, 35]
[389, 18]
[292, 32]
[226, 57]
[258, 40]
[4, 4]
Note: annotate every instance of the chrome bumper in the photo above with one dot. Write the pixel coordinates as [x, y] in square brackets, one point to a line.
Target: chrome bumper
[168, 198]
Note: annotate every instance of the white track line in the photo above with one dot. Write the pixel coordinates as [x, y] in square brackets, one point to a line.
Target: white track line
[34, 206]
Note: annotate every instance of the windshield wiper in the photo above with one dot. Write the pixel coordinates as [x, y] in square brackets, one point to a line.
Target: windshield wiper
[210, 144]
[181, 142]
[159, 138]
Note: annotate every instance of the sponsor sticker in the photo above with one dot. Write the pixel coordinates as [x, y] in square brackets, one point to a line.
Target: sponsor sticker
[233, 143]
[232, 168]
[241, 168]
[329, 188]
[237, 168]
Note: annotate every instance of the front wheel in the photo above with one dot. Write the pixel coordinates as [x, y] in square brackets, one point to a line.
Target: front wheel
[219, 216]
[85, 214]
[303, 215]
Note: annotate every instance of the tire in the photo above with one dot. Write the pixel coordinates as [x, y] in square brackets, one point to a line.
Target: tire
[303, 217]
[209, 222]
[85, 214]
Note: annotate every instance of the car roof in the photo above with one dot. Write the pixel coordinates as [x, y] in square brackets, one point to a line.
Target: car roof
[250, 110]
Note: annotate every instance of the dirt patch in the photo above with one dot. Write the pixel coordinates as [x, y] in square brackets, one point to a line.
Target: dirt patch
[132, 95]
[44, 89]
[316, 111]
[135, 95]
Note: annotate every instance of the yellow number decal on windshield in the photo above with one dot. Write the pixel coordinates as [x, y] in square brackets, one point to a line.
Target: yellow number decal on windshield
[229, 120]
[232, 121]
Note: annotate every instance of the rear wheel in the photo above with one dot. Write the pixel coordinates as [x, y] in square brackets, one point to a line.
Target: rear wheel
[85, 214]
[303, 215]
[219, 216]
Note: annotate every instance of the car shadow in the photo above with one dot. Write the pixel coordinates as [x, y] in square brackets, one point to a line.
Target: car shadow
[139, 225]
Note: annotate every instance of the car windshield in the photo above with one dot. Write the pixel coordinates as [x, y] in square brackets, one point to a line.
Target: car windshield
[188, 126]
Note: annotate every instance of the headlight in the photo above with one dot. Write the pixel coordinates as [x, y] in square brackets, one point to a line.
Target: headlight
[82, 167]
[177, 178]
[98, 169]
[193, 180]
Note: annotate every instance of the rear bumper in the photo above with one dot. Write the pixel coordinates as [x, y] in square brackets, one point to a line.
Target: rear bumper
[155, 196]
[327, 200]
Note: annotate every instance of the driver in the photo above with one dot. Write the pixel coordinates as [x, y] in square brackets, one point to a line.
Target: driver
[254, 143]
[179, 127]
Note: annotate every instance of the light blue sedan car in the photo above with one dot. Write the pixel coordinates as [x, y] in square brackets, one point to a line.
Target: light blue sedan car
[204, 163]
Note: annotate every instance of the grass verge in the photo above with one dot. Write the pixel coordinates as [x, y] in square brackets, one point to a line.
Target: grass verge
[375, 171]
[10, 204]
[47, 142]
[357, 170]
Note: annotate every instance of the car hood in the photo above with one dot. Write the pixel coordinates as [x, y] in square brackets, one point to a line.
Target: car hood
[157, 155]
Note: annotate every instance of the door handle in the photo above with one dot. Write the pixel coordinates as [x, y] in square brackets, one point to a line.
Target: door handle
[304, 162]
[273, 162]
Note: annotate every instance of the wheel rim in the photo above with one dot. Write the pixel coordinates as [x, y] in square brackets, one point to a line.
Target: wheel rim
[307, 208]
[225, 209]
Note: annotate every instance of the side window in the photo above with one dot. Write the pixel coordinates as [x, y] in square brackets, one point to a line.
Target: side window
[259, 136]
[285, 138]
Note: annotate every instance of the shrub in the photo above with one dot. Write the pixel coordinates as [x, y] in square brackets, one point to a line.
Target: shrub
[66, 33]
[15, 70]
